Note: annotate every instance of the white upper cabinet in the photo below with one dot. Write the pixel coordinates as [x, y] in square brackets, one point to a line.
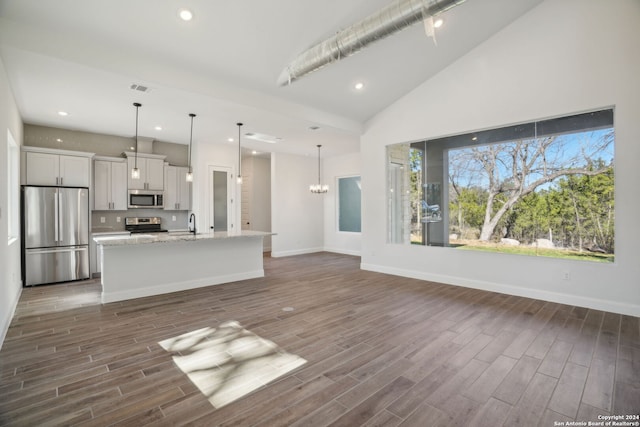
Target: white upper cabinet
[74, 171]
[119, 186]
[177, 194]
[51, 167]
[155, 174]
[43, 169]
[110, 184]
[151, 172]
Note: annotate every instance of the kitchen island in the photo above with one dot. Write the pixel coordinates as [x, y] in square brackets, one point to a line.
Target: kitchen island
[142, 265]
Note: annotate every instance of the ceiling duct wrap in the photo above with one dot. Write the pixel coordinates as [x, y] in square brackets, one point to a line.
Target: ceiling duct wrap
[388, 20]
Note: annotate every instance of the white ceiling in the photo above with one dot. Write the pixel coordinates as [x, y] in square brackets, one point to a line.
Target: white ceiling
[81, 56]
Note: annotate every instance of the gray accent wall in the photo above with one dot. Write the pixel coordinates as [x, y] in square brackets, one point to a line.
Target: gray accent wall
[101, 144]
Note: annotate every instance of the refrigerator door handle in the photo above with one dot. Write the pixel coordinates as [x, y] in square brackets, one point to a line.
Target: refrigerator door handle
[58, 250]
[60, 223]
[55, 216]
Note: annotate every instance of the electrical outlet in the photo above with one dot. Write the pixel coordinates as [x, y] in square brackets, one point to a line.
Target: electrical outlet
[566, 275]
[102, 220]
[173, 218]
[117, 219]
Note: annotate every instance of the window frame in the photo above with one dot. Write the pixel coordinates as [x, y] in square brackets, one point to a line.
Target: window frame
[13, 189]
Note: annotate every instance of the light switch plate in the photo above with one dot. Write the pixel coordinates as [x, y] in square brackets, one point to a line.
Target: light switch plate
[102, 220]
[117, 219]
[173, 218]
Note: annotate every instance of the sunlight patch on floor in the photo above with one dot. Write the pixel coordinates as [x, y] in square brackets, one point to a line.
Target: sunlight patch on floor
[229, 362]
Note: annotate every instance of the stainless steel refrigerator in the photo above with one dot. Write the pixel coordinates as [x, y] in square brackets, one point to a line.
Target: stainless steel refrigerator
[55, 239]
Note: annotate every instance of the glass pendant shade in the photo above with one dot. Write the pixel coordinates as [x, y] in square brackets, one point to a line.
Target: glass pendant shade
[135, 173]
[189, 176]
[319, 188]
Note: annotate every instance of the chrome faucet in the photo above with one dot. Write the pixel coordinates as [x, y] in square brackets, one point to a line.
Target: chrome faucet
[193, 217]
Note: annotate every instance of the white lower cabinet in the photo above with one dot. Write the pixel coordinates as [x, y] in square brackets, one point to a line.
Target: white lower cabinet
[94, 249]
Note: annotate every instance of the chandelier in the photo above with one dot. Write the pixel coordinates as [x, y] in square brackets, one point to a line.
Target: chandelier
[319, 188]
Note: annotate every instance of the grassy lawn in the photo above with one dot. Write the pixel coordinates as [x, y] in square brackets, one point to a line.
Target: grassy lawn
[533, 251]
[475, 245]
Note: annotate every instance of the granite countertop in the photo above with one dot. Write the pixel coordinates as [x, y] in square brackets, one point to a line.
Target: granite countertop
[142, 239]
[107, 231]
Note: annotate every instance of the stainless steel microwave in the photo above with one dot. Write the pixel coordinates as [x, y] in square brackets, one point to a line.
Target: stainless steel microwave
[145, 199]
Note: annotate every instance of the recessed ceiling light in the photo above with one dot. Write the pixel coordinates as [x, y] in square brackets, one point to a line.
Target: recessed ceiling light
[438, 23]
[132, 148]
[185, 14]
[58, 140]
[63, 113]
[158, 128]
[359, 86]
[230, 139]
[475, 138]
[254, 152]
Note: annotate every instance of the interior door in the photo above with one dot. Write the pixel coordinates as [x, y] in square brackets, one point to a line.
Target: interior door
[220, 199]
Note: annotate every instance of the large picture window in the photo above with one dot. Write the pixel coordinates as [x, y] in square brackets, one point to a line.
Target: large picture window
[543, 188]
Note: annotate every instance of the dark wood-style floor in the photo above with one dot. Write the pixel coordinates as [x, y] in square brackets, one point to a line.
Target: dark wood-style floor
[380, 350]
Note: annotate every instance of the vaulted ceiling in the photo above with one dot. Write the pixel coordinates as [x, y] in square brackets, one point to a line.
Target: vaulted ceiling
[82, 56]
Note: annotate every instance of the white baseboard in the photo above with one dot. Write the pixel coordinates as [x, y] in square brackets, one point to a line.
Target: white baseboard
[278, 254]
[562, 298]
[342, 251]
[8, 315]
[179, 286]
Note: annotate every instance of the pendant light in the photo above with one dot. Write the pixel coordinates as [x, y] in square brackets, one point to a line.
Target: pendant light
[239, 156]
[135, 172]
[190, 171]
[319, 188]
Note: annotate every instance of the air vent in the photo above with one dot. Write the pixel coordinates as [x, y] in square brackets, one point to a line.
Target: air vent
[314, 127]
[140, 88]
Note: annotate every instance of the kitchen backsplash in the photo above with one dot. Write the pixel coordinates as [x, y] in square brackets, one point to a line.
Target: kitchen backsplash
[111, 219]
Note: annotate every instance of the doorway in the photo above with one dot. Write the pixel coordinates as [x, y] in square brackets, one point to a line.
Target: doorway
[221, 202]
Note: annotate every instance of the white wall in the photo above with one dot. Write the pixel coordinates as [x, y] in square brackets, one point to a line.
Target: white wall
[261, 198]
[10, 282]
[563, 57]
[296, 213]
[256, 196]
[332, 169]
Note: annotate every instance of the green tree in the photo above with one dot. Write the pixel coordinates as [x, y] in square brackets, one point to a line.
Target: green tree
[591, 199]
[512, 170]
